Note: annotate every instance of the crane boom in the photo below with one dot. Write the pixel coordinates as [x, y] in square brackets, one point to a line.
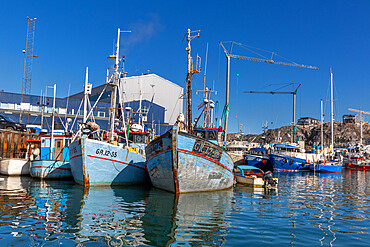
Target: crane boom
[272, 61]
[359, 111]
[271, 92]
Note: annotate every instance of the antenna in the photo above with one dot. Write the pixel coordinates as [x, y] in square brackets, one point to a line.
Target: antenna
[28, 59]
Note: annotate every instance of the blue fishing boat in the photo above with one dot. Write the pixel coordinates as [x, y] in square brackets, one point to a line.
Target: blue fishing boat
[327, 163]
[259, 158]
[52, 158]
[97, 163]
[181, 162]
[290, 157]
[104, 157]
[325, 166]
[187, 159]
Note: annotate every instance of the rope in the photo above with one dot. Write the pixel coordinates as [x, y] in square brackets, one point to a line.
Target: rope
[223, 116]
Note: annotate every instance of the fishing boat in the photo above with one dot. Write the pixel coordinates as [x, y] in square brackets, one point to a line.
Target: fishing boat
[290, 157]
[327, 163]
[187, 159]
[101, 157]
[360, 163]
[258, 157]
[236, 150]
[51, 160]
[326, 166]
[255, 177]
[356, 158]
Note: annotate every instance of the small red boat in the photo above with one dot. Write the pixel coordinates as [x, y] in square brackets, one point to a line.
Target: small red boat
[357, 162]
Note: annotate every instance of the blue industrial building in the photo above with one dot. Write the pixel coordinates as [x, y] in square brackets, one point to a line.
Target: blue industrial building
[160, 99]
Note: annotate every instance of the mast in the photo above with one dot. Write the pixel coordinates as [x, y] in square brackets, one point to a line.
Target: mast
[85, 94]
[188, 78]
[227, 96]
[294, 106]
[322, 127]
[113, 82]
[52, 125]
[361, 130]
[332, 111]
[188, 84]
[42, 109]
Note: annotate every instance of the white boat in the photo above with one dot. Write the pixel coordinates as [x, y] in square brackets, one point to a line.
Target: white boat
[255, 177]
[237, 150]
[14, 167]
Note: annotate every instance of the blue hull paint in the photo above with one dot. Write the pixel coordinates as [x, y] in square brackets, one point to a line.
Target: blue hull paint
[258, 161]
[180, 163]
[326, 168]
[287, 163]
[97, 163]
[50, 169]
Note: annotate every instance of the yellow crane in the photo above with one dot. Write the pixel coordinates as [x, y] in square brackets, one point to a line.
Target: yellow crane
[361, 112]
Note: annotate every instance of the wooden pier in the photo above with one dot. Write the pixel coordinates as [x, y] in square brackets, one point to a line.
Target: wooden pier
[13, 144]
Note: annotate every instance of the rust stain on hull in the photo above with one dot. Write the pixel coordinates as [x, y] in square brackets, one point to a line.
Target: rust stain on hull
[86, 176]
[174, 160]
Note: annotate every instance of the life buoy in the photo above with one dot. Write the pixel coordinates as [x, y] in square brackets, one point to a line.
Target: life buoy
[324, 162]
[105, 135]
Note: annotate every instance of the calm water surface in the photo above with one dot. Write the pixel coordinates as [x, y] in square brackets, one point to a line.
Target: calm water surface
[306, 210]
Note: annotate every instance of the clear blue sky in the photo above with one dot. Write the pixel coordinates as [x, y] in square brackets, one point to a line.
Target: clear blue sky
[71, 35]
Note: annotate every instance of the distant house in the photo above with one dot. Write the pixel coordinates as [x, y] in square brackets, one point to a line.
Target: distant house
[349, 119]
[308, 121]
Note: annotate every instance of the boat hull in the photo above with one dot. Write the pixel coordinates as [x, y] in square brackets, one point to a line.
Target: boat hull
[181, 163]
[50, 169]
[254, 181]
[259, 162]
[287, 163]
[326, 168]
[14, 167]
[98, 163]
[358, 166]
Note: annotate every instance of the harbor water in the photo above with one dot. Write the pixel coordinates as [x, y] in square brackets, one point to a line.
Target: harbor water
[307, 210]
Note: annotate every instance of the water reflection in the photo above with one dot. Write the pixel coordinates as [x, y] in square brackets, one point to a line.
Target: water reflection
[194, 219]
[307, 209]
[111, 215]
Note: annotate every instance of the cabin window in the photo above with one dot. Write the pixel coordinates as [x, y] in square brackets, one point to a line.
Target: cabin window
[138, 138]
[208, 135]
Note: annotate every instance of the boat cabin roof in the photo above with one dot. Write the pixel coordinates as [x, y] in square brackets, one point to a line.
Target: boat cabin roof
[287, 146]
[208, 129]
[245, 167]
[258, 149]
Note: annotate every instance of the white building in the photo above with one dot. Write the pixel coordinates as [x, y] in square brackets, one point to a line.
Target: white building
[153, 87]
[162, 96]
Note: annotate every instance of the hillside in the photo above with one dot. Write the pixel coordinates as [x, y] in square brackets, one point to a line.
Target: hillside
[343, 134]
